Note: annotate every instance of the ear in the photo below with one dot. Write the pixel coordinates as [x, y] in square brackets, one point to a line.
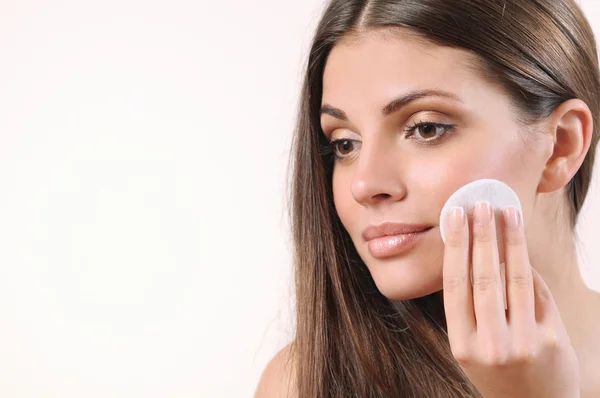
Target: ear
[571, 125]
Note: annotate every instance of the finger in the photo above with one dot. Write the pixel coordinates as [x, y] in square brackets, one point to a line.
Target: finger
[546, 311]
[488, 297]
[458, 297]
[519, 279]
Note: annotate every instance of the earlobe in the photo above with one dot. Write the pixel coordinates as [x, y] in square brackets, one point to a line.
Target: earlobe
[571, 125]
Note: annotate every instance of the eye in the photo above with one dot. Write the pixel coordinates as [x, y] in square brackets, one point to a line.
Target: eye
[428, 131]
[343, 148]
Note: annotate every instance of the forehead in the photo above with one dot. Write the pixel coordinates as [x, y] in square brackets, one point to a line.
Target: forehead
[381, 65]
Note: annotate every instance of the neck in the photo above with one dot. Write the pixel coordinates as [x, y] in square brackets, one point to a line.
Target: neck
[553, 254]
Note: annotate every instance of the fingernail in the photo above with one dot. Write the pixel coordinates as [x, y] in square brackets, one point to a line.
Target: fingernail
[512, 218]
[457, 218]
[483, 213]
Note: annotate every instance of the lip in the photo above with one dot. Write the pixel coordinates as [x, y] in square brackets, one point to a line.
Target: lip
[391, 239]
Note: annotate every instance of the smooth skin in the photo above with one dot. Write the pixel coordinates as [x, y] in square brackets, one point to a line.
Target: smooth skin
[390, 169]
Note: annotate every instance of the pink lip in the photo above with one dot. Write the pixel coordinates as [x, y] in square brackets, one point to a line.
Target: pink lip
[392, 239]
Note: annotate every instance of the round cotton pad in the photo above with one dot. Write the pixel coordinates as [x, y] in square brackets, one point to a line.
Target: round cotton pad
[497, 194]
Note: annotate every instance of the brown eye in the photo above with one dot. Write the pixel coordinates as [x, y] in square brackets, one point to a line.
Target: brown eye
[344, 148]
[427, 130]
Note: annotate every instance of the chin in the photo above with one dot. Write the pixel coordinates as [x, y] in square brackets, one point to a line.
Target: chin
[406, 281]
[415, 273]
[407, 294]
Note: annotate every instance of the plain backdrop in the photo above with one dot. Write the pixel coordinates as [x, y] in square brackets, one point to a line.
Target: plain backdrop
[144, 245]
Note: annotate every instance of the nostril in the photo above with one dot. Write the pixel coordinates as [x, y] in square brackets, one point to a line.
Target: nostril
[382, 196]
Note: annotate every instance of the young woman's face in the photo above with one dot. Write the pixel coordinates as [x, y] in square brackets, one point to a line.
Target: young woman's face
[414, 122]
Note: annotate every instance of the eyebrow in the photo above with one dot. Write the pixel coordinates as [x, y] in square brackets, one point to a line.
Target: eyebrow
[395, 104]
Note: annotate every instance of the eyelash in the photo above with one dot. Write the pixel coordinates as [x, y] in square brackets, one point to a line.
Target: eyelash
[329, 149]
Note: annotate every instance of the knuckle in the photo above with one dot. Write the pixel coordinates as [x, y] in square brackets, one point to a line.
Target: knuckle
[515, 238]
[551, 339]
[544, 295]
[485, 283]
[454, 283]
[521, 282]
[523, 355]
[483, 234]
[462, 355]
[495, 357]
[455, 240]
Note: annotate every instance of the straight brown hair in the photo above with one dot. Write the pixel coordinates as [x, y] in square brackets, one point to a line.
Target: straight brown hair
[350, 340]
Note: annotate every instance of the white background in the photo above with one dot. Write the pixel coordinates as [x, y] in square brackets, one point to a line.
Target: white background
[144, 248]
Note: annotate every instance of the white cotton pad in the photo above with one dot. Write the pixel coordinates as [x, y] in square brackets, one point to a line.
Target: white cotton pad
[496, 193]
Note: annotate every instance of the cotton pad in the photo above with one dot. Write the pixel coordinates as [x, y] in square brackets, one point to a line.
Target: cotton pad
[497, 194]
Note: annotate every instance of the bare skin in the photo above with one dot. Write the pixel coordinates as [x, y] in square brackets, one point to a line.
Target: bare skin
[389, 170]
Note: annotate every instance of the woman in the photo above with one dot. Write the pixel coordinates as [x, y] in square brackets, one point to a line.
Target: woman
[404, 102]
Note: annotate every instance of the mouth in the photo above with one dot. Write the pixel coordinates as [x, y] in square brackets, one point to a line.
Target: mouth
[390, 245]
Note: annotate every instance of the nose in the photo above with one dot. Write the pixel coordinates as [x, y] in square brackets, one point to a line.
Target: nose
[377, 178]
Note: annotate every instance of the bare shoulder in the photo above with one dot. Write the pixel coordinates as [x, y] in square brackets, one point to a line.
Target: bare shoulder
[277, 379]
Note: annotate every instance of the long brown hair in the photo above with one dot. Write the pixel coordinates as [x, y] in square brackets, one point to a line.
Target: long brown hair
[350, 340]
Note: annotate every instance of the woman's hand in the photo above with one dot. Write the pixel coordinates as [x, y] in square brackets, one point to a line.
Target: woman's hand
[522, 352]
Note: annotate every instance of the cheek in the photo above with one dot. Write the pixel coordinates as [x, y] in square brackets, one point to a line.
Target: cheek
[342, 197]
[443, 175]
